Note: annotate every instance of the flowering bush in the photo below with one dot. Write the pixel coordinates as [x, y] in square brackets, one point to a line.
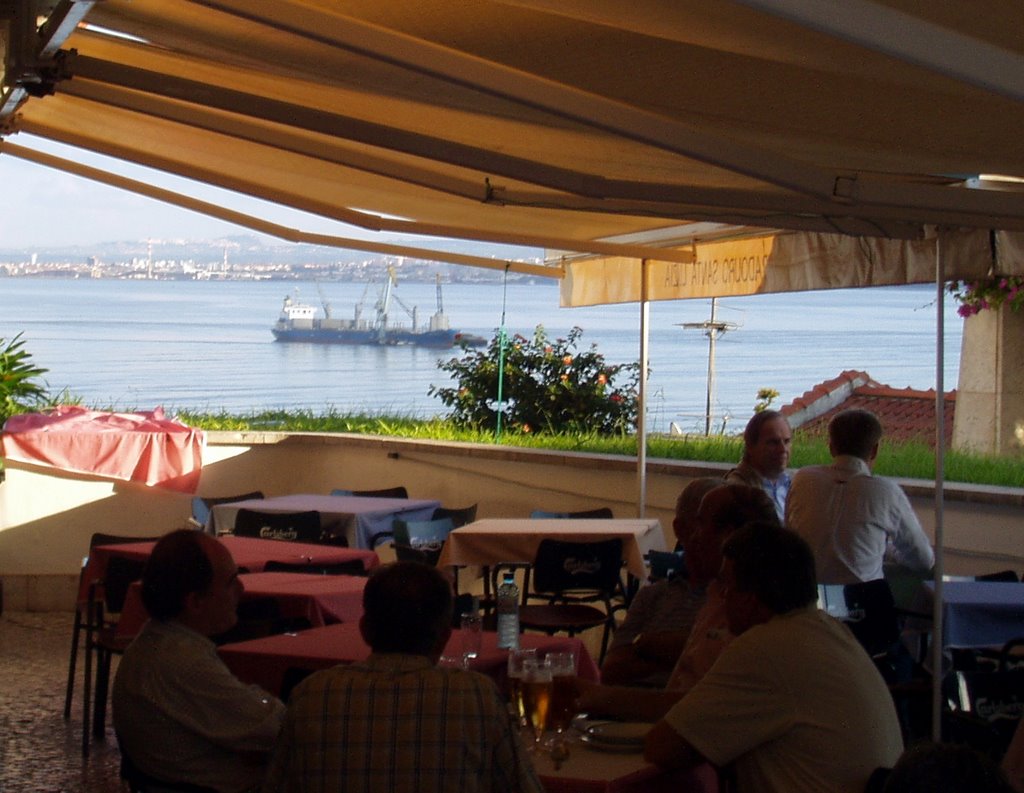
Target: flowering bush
[999, 290]
[548, 386]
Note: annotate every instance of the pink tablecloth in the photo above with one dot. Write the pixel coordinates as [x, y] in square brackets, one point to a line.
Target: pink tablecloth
[137, 447]
[590, 771]
[321, 599]
[250, 553]
[264, 661]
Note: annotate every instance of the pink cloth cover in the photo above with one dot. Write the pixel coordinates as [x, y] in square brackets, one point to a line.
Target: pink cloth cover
[136, 447]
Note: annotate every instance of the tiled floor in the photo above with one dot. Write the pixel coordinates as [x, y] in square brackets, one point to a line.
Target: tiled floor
[39, 751]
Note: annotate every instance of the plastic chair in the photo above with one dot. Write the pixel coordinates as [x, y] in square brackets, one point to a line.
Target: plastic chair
[355, 567]
[82, 611]
[571, 576]
[460, 516]
[202, 508]
[602, 513]
[289, 526]
[421, 540]
[106, 599]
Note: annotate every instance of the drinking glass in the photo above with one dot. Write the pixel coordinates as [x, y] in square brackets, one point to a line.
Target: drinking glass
[536, 684]
[563, 689]
[518, 662]
[472, 636]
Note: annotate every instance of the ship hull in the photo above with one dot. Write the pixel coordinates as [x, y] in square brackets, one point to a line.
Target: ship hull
[439, 339]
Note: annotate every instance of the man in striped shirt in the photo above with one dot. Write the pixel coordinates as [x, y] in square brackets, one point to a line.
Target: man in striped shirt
[397, 721]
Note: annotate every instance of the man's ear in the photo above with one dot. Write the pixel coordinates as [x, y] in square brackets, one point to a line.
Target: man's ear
[193, 602]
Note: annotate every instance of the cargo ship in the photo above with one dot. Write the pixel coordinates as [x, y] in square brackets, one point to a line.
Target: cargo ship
[303, 322]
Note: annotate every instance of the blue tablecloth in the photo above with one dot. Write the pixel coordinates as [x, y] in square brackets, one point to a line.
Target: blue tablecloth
[979, 613]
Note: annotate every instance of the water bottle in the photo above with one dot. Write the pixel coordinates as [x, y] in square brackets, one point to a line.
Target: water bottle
[508, 612]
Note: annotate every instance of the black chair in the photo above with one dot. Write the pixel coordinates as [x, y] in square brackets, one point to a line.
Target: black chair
[140, 782]
[601, 513]
[571, 577]
[871, 615]
[663, 565]
[292, 676]
[82, 610]
[387, 492]
[421, 540]
[354, 567]
[984, 707]
[202, 508]
[1003, 576]
[289, 526]
[106, 599]
[258, 618]
[460, 516]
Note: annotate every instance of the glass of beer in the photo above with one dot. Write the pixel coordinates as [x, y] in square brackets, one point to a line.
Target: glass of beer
[518, 662]
[563, 689]
[536, 685]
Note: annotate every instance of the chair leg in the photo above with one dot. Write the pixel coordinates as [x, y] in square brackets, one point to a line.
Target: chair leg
[72, 662]
[87, 686]
[99, 713]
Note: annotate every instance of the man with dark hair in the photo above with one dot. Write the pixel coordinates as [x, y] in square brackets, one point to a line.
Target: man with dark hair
[180, 715]
[659, 620]
[397, 721]
[766, 444]
[722, 510]
[851, 519]
[793, 702]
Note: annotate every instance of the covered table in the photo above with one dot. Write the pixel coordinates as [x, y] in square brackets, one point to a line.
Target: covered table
[251, 554]
[978, 613]
[493, 541]
[357, 518]
[265, 661]
[321, 599]
[138, 447]
[588, 770]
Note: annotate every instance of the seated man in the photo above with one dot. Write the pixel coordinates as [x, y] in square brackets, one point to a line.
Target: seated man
[180, 715]
[648, 643]
[766, 444]
[851, 519]
[398, 722]
[793, 702]
[723, 510]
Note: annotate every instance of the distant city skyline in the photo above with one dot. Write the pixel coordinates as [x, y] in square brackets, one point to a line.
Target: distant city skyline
[41, 206]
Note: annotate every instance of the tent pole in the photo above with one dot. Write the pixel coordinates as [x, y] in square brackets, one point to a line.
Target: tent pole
[641, 418]
[940, 477]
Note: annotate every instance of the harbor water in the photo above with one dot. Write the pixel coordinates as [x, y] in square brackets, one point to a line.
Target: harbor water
[204, 345]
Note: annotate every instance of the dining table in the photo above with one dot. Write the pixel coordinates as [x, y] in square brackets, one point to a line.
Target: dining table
[359, 519]
[251, 554]
[977, 613]
[493, 541]
[591, 770]
[318, 599]
[265, 661]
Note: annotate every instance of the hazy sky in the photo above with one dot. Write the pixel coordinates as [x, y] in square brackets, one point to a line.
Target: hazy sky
[42, 206]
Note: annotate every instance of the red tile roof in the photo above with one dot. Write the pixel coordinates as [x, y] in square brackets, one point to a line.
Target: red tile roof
[905, 413]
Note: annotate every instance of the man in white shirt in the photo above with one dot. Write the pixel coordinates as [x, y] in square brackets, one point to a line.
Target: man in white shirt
[852, 520]
[766, 445]
[179, 713]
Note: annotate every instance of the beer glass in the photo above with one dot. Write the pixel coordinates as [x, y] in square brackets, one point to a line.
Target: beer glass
[518, 662]
[536, 684]
[563, 689]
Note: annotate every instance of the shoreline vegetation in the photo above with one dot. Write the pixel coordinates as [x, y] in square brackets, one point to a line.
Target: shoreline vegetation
[910, 460]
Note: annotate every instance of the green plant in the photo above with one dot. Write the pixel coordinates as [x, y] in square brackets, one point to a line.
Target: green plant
[765, 397]
[546, 386]
[20, 389]
[992, 292]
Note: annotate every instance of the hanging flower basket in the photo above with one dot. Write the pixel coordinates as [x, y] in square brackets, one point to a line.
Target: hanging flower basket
[993, 292]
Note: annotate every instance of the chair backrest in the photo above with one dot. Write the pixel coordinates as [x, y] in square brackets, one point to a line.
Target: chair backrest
[387, 492]
[992, 699]
[1003, 576]
[338, 491]
[566, 566]
[291, 526]
[203, 505]
[460, 516]
[354, 567]
[871, 614]
[422, 534]
[121, 574]
[292, 676]
[602, 513]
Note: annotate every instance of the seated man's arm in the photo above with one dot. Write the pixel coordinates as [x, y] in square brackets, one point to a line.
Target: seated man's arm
[911, 545]
[667, 748]
[651, 654]
[626, 702]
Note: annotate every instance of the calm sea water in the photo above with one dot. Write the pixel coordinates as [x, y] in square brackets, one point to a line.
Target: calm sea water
[202, 345]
